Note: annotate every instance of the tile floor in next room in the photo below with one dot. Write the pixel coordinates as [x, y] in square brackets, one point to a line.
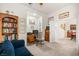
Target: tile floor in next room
[62, 47]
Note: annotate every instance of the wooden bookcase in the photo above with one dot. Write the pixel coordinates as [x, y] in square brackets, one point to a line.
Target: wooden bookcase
[8, 26]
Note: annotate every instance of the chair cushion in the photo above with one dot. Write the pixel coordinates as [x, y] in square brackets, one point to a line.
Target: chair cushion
[22, 52]
[8, 49]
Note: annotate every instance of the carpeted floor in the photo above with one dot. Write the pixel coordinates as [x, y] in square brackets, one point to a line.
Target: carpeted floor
[59, 48]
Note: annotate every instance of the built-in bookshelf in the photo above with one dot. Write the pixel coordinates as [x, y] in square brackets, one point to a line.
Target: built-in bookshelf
[9, 26]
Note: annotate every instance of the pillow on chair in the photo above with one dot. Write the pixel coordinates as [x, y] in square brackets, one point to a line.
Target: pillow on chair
[7, 49]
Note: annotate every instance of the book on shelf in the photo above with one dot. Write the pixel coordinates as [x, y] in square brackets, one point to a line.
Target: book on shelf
[6, 19]
[11, 20]
[5, 25]
[10, 37]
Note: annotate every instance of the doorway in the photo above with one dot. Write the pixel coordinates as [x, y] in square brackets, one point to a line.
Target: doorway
[34, 26]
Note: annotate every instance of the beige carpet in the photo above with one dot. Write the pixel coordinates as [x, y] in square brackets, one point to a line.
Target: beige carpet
[59, 48]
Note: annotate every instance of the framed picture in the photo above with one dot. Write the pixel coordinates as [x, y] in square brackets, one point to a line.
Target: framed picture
[64, 15]
[22, 25]
[63, 26]
[73, 27]
[51, 19]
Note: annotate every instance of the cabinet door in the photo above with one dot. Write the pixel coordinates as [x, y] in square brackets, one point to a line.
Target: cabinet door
[47, 35]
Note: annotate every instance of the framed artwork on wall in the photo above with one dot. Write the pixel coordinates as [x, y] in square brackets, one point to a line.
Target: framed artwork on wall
[73, 27]
[63, 15]
[51, 19]
[22, 25]
[32, 24]
[63, 26]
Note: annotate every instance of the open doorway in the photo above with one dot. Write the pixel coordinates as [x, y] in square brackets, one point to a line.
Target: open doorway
[34, 27]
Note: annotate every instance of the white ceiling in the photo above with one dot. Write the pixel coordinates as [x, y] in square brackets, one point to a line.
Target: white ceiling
[48, 7]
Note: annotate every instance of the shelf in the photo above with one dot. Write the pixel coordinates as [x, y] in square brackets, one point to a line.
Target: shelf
[9, 28]
[8, 33]
[8, 22]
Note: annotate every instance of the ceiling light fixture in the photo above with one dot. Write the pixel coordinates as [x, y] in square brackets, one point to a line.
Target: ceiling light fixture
[41, 3]
[32, 3]
[29, 3]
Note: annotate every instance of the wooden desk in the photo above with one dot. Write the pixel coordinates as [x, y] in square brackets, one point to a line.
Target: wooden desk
[30, 39]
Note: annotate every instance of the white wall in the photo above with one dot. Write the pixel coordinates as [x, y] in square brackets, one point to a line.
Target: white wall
[77, 32]
[58, 32]
[21, 11]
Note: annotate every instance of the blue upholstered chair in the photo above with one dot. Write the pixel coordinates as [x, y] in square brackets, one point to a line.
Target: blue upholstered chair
[14, 48]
